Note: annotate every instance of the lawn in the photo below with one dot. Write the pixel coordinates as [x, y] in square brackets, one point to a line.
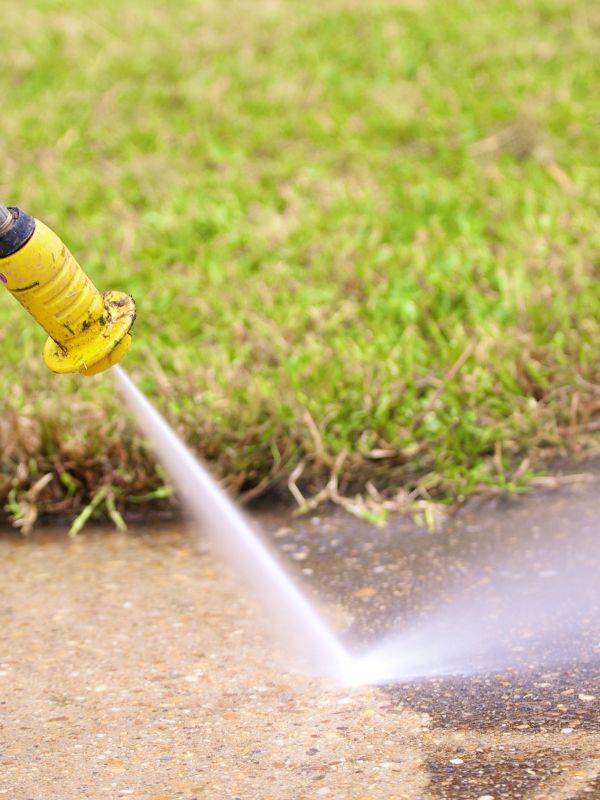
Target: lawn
[362, 236]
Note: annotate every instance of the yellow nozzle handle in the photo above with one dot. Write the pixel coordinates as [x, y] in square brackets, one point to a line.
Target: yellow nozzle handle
[88, 331]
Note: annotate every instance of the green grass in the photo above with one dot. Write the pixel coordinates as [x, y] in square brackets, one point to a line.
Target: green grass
[320, 208]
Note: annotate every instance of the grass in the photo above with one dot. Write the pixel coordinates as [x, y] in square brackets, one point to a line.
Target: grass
[362, 236]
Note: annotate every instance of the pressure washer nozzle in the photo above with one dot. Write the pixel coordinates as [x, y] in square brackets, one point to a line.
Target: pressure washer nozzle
[88, 331]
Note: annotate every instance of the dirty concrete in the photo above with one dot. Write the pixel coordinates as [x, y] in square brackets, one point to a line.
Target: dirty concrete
[134, 666]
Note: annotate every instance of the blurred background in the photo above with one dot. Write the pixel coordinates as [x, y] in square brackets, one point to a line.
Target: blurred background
[362, 238]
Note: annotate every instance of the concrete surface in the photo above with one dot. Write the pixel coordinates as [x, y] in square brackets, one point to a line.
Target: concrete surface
[133, 666]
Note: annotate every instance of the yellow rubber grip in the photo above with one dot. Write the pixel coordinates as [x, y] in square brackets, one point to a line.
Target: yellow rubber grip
[88, 331]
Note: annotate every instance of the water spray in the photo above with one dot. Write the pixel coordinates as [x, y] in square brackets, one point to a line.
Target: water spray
[301, 625]
[88, 332]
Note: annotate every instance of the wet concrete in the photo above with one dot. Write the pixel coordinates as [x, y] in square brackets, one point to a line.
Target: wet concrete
[134, 666]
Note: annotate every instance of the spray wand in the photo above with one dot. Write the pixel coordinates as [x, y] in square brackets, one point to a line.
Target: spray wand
[88, 331]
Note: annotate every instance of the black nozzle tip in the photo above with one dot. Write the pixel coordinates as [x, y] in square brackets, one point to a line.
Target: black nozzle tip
[15, 231]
